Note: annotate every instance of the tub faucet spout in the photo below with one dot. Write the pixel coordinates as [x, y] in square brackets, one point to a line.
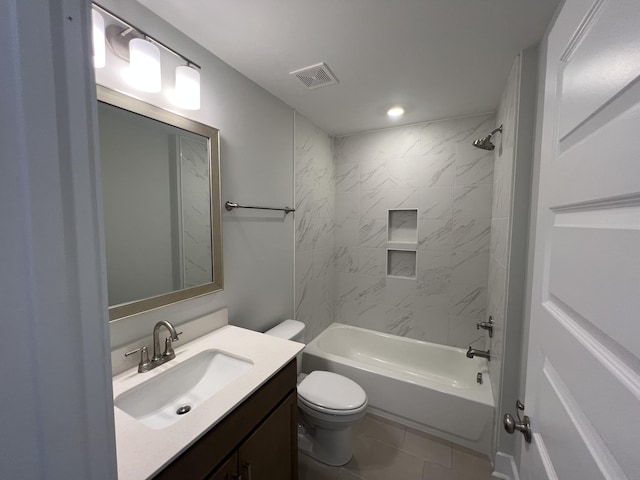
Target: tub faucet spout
[472, 352]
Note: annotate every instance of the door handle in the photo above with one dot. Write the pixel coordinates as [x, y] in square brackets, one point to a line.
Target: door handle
[523, 425]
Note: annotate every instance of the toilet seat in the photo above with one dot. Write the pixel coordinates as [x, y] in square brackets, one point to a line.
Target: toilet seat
[332, 394]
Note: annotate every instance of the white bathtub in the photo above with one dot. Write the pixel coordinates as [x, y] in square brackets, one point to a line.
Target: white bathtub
[424, 385]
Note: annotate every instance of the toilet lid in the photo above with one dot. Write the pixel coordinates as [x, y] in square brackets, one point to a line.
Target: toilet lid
[331, 391]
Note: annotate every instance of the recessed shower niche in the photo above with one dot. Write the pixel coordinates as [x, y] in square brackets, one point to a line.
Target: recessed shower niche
[402, 235]
[402, 226]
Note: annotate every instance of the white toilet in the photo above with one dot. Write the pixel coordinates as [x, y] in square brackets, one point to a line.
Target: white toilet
[328, 403]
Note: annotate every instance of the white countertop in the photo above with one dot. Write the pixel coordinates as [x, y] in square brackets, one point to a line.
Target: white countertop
[143, 452]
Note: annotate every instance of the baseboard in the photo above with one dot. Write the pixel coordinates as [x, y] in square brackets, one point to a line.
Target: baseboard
[505, 467]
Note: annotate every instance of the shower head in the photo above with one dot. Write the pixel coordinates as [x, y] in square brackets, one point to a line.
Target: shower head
[485, 143]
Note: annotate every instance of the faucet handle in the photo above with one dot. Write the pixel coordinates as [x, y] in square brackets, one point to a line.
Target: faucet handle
[486, 326]
[144, 364]
[168, 347]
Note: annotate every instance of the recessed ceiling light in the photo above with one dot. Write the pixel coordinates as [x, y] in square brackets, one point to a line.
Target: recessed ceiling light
[395, 111]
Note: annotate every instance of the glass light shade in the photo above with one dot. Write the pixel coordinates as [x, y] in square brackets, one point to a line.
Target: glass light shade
[99, 45]
[187, 89]
[144, 66]
[395, 111]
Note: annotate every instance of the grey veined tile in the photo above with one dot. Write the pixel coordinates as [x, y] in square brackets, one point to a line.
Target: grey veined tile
[471, 235]
[436, 202]
[372, 261]
[399, 198]
[435, 234]
[474, 167]
[472, 201]
[373, 204]
[463, 333]
[346, 233]
[434, 276]
[370, 289]
[347, 177]
[438, 137]
[374, 175]
[347, 206]
[474, 127]
[346, 259]
[437, 170]
[470, 268]
[372, 233]
[404, 172]
[468, 301]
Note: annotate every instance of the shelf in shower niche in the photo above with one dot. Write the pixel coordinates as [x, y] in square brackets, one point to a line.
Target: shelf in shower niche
[401, 263]
[402, 245]
[402, 226]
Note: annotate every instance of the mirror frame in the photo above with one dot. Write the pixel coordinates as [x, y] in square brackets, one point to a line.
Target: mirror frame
[124, 102]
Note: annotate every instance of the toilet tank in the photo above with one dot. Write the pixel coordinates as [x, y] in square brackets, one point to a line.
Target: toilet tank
[290, 330]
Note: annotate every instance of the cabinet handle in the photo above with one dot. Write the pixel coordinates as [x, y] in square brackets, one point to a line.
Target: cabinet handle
[247, 469]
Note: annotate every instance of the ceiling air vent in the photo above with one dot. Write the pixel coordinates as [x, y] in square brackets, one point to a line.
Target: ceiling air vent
[315, 76]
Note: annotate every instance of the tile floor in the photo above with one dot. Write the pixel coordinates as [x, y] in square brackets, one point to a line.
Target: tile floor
[384, 450]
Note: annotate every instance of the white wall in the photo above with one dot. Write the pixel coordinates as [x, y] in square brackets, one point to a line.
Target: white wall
[256, 152]
[432, 167]
[314, 217]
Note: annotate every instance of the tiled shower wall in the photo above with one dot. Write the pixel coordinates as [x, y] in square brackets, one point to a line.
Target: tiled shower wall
[432, 167]
[501, 221]
[314, 227]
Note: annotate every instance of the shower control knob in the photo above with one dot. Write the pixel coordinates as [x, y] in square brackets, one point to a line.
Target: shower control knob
[523, 425]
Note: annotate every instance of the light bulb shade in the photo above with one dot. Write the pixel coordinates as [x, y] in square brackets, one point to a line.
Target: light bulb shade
[395, 112]
[187, 88]
[99, 46]
[144, 66]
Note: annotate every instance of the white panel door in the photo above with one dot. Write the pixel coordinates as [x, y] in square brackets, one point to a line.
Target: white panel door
[583, 375]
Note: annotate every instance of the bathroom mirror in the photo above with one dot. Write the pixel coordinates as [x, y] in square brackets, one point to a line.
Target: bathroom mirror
[161, 202]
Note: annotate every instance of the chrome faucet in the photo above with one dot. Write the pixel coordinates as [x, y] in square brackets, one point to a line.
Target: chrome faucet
[168, 349]
[488, 326]
[472, 352]
[158, 359]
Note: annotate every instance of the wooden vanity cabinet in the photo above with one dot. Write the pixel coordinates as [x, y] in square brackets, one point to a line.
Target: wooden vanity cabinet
[228, 470]
[256, 441]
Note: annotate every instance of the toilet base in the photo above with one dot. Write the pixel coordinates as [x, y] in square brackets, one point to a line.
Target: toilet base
[328, 446]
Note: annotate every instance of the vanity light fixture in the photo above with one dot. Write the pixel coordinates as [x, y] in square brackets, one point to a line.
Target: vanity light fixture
[395, 112]
[143, 54]
[144, 66]
[187, 88]
[99, 47]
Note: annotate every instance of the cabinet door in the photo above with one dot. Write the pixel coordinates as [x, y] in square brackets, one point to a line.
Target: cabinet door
[227, 471]
[271, 452]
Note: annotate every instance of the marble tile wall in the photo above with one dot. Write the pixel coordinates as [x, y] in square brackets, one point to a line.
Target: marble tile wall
[432, 167]
[505, 156]
[314, 227]
[196, 212]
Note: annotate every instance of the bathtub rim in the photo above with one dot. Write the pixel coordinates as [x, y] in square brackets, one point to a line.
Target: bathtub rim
[482, 393]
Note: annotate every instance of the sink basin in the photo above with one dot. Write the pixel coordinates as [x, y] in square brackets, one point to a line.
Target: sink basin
[172, 394]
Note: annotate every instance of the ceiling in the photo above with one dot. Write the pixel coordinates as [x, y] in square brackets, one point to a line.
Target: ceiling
[437, 58]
